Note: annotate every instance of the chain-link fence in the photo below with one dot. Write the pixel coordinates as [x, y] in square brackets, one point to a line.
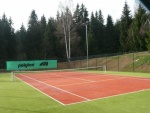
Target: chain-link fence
[2, 65]
[132, 62]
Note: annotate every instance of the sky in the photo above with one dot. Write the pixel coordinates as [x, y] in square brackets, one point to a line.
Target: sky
[20, 10]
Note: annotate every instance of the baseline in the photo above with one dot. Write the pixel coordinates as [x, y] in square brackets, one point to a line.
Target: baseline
[85, 99]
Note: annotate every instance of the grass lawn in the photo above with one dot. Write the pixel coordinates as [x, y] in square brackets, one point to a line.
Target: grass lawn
[18, 97]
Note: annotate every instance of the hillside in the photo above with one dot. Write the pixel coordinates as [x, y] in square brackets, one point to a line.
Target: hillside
[138, 62]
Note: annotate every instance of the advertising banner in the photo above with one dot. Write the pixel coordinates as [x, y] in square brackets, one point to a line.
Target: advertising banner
[31, 65]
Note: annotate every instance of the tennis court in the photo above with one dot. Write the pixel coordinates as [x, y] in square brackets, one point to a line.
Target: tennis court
[71, 87]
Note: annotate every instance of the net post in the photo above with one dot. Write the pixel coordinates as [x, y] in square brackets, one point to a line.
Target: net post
[12, 76]
[104, 68]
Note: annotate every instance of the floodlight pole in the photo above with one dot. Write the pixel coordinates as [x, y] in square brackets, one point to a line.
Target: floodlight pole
[87, 50]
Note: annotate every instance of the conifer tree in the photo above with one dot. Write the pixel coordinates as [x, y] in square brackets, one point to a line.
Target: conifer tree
[92, 43]
[21, 38]
[7, 39]
[148, 40]
[51, 43]
[33, 37]
[137, 41]
[42, 32]
[81, 17]
[126, 20]
[110, 40]
[97, 27]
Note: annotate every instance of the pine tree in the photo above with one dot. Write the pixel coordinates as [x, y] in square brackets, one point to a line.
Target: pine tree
[42, 34]
[7, 39]
[33, 37]
[137, 41]
[76, 15]
[50, 42]
[92, 43]
[117, 35]
[126, 20]
[43, 25]
[148, 41]
[21, 37]
[109, 40]
[97, 27]
[82, 19]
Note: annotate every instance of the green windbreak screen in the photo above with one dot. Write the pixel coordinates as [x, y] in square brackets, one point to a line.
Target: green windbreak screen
[29, 65]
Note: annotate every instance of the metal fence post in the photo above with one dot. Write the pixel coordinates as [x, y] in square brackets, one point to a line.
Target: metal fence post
[96, 61]
[118, 63]
[80, 63]
[106, 61]
[133, 62]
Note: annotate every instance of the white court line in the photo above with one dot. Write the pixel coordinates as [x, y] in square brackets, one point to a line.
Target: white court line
[93, 81]
[109, 97]
[139, 78]
[58, 88]
[88, 81]
[136, 77]
[72, 77]
[87, 100]
[41, 91]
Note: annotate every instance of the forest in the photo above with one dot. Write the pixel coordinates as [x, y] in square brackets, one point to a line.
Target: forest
[65, 35]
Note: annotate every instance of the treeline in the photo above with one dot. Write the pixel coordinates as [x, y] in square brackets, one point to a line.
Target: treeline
[65, 36]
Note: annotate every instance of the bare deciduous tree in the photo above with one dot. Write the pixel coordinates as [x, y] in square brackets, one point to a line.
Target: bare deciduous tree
[66, 19]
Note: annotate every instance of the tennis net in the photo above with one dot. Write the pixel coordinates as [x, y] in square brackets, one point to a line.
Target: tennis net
[59, 73]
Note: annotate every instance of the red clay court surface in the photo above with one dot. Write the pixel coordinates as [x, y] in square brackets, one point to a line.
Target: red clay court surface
[76, 87]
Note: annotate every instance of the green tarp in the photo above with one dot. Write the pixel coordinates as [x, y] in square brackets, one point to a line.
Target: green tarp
[31, 65]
